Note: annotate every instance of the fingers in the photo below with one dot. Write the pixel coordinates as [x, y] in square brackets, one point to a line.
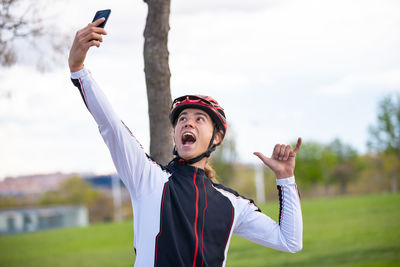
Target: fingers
[94, 26]
[90, 36]
[97, 22]
[97, 30]
[286, 154]
[275, 153]
[283, 152]
[299, 141]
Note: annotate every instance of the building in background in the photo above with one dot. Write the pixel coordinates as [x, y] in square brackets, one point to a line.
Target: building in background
[33, 185]
[26, 191]
[34, 219]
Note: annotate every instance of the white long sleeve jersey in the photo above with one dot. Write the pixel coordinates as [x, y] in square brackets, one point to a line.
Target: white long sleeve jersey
[181, 218]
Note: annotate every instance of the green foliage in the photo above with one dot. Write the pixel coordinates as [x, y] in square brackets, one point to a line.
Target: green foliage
[243, 181]
[385, 135]
[75, 191]
[335, 162]
[101, 209]
[223, 159]
[312, 161]
[342, 151]
[345, 231]
[347, 165]
[7, 202]
[376, 173]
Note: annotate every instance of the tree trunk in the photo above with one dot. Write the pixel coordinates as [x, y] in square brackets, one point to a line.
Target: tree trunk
[158, 75]
[343, 186]
[394, 184]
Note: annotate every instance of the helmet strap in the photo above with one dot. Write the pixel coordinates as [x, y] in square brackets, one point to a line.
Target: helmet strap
[207, 154]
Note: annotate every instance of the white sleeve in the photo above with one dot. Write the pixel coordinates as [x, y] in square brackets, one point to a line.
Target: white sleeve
[138, 172]
[287, 235]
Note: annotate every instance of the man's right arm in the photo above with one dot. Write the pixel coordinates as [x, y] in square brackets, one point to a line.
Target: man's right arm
[139, 174]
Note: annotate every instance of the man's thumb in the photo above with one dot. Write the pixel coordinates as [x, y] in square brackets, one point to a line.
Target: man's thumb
[264, 158]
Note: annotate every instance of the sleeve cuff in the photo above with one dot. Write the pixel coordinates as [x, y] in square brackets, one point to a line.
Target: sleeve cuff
[80, 73]
[285, 181]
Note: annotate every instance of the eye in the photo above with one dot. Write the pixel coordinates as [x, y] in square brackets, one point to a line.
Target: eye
[200, 119]
[183, 118]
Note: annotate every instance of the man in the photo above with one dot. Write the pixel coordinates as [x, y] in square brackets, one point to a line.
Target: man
[181, 217]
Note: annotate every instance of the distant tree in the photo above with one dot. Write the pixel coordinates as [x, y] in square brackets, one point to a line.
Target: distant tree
[20, 20]
[385, 135]
[18, 201]
[333, 163]
[346, 165]
[75, 191]
[310, 164]
[223, 159]
[377, 172]
[101, 209]
[51, 198]
[8, 202]
[26, 37]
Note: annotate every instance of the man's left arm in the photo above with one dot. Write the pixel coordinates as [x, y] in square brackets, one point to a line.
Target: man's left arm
[287, 235]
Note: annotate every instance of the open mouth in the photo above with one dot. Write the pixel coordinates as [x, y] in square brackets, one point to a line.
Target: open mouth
[188, 138]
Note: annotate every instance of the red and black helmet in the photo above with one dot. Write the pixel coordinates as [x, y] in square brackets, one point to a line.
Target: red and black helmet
[206, 103]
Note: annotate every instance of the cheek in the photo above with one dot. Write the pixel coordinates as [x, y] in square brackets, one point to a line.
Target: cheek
[175, 134]
[208, 130]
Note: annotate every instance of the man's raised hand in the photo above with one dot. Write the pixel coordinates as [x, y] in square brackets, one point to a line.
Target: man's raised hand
[282, 161]
[85, 38]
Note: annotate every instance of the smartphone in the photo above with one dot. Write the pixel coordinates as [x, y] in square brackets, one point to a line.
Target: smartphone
[100, 14]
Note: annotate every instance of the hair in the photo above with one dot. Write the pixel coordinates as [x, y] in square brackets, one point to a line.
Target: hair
[210, 173]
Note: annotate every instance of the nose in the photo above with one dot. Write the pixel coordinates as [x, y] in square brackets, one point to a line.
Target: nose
[188, 123]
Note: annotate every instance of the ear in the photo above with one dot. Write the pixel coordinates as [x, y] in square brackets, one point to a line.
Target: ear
[217, 138]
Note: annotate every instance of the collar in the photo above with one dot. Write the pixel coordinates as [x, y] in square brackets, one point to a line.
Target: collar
[178, 166]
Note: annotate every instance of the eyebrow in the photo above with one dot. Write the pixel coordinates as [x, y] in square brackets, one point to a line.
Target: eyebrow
[197, 113]
[201, 113]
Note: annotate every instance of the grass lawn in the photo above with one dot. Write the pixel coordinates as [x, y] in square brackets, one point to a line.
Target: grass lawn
[342, 231]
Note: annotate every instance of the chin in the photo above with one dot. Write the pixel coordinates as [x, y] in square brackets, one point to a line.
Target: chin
[187, 155]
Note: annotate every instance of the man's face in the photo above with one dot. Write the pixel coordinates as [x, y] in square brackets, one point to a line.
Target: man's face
[193, 132]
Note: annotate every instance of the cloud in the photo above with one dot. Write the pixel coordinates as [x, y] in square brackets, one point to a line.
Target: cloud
[192, 7]
[362, 82]
[45, 126]
[262, 60]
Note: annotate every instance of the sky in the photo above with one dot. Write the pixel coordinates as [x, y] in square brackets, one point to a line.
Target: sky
[281, 70]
